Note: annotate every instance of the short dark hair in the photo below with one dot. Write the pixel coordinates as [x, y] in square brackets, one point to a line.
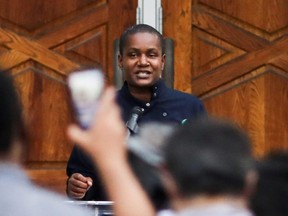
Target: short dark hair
[209, 156]
[271, 192]
[11, 123]
[143, 28]
[149, 178]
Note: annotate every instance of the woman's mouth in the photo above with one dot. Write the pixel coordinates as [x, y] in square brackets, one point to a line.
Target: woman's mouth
[143, 74]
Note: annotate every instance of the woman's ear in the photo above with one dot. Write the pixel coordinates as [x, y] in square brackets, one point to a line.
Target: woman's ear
[120, 61]
[163, 61]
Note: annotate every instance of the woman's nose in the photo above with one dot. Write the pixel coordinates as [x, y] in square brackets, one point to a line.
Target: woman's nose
[143, 61]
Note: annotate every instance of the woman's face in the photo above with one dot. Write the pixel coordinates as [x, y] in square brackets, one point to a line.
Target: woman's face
[142, 61]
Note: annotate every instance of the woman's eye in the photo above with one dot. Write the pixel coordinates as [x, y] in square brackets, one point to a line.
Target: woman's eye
[132, 54]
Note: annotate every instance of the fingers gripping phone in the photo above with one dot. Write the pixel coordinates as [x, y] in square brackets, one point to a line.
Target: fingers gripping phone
[85, 88]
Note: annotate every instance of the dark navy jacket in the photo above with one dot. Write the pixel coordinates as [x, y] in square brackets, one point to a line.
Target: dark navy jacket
[166, 105]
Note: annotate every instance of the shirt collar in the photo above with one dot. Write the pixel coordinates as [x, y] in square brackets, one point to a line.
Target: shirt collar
[158, 88]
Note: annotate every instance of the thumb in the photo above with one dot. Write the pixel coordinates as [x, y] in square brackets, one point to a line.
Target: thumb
[89, 181]
[76, 135]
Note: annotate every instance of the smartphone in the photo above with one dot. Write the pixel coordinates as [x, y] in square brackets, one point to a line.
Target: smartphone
[85, 88]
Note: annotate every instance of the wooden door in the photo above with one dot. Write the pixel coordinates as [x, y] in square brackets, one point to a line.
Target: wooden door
[233, 55]
[41, 41]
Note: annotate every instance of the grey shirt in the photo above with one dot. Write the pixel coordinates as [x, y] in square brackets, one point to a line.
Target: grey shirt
[21, 197]
[220, 209]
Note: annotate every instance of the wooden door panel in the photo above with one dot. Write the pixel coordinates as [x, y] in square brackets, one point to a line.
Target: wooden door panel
[177, 21]
[258, 16]
[36, 15]
[88, 48]
[260, 40]
[227, 54]
[40, 44]
[244, 104]
[212, 53]
[50, 114]
[239, 62]
[276, 115]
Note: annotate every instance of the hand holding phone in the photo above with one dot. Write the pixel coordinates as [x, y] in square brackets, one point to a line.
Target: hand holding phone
[85, 87]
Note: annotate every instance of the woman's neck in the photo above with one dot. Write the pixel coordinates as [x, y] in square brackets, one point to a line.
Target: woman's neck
[141, 93]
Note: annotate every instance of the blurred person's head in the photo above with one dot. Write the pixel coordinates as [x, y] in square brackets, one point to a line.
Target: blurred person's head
[145, 155]
[208, 157]
[150, 180]
[13, 137]
[271, 193]
[141, 56]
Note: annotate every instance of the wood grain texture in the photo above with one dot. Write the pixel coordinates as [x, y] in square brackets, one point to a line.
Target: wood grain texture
[233, 58]
[177, 26]
[242, 87]
[276, 118]
[46, 16]
[35, 51]
[239, 62]
[40, 44]
[49, 117]
[243, 103]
